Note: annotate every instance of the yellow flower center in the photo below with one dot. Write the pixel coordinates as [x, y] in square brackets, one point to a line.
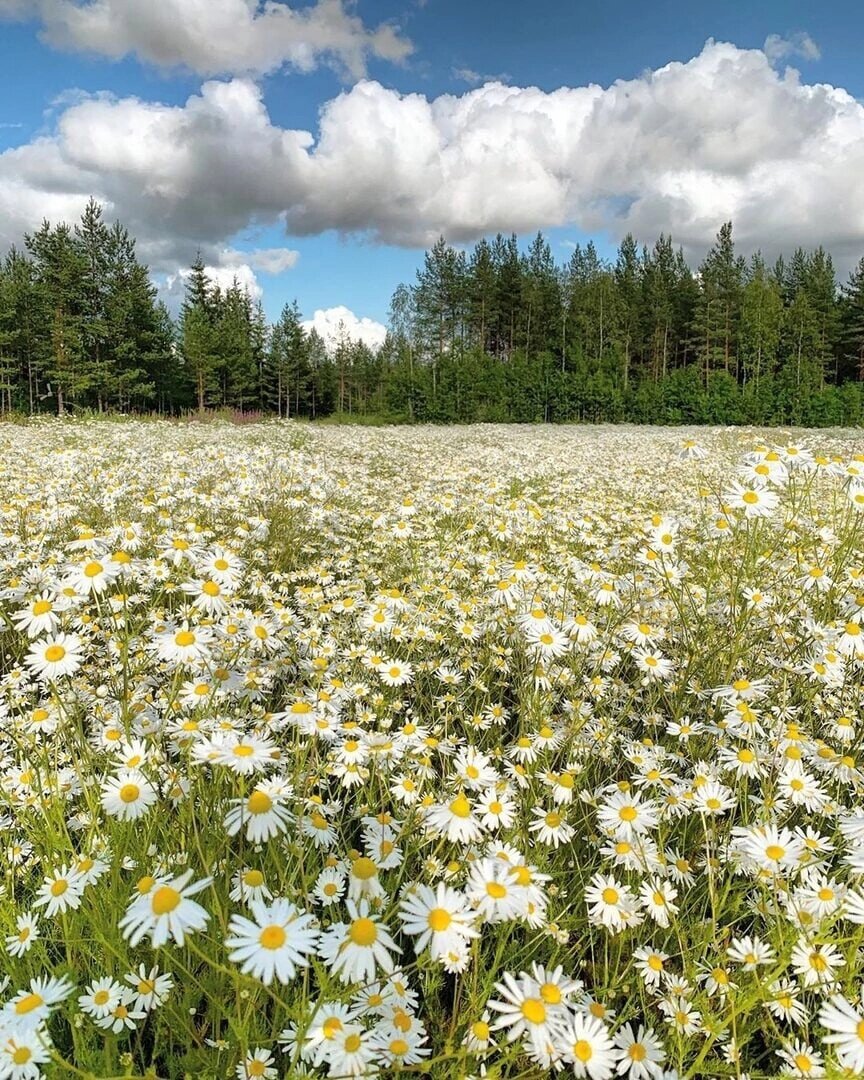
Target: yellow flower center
[551, 993]
[439, 919]
[272, 937]
[363, 932]
[28, 1003]
[165, 900]
[582, 1050]
[364, 868]
[533, 1010]
[259, 802]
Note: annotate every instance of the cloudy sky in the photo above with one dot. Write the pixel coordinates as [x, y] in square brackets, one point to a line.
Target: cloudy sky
[313, 149]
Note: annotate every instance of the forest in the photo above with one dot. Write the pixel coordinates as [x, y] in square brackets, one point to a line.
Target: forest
[492, 334]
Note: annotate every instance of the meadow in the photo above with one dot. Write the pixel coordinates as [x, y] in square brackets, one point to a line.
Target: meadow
[454, 752]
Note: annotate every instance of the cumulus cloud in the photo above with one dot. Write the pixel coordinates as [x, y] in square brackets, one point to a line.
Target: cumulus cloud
[799, 44]
[679, 149]
[474, 78]
[336, 323]
[267, 260]
[215, 37]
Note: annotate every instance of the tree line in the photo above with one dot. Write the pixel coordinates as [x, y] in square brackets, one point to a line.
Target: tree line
[491, 334]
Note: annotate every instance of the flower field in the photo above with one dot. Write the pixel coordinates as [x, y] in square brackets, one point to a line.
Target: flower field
[453, 752]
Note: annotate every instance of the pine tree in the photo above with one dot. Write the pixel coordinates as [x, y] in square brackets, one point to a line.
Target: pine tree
[721, 278]
[628, 289]
[198, 332]
[289, 362]
[61, 274]
[92, 242]
[759, 331]
[852, 324]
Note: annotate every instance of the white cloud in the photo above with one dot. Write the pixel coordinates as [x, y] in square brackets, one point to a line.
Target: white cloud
[267, 260]
[474, 78]
[680, 149]
[172, 286]
[799, 44]
[215, 37]
[337, 322]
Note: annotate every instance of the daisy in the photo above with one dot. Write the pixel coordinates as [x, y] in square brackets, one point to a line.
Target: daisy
[185, 646]
[30, 1008]
[275, 943]
[588, 1047]
[441, 918]
[396, 673]
[60, 891]
[846, 1026]
[816, 964]
[650, 963]
[550, 827]
[802, 1060]
[494, 891]
[327, 1020]
[399, 1048]
[363, 879]
[264, 813]
[257, 1064]
[91, 577]
[454, 820]
[354, 951]
[610, 903]
[41, 616]
[625, 814]
[523, 1013]
[248, 884]
[750, 952]
[151, 988]
[756, 502]
[640, 1054]
[128, 795]
[26, 933]
[166, 912]
[784, 1003]
[496, 809]
[350, 1052]
[329, 886]
[101, 998]
[55, 657]
[22, 1054]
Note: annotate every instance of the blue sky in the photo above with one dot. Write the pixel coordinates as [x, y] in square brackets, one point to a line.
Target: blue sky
[354, 250]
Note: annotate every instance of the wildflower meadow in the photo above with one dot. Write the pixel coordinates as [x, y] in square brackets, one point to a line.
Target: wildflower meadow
[490, 752]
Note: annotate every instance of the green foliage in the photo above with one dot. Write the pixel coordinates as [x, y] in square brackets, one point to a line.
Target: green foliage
[490, 335]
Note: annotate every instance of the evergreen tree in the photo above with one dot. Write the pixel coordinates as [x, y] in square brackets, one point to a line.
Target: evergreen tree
[198, 318]
[852, 325]
[721, 279]
[60, 270]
